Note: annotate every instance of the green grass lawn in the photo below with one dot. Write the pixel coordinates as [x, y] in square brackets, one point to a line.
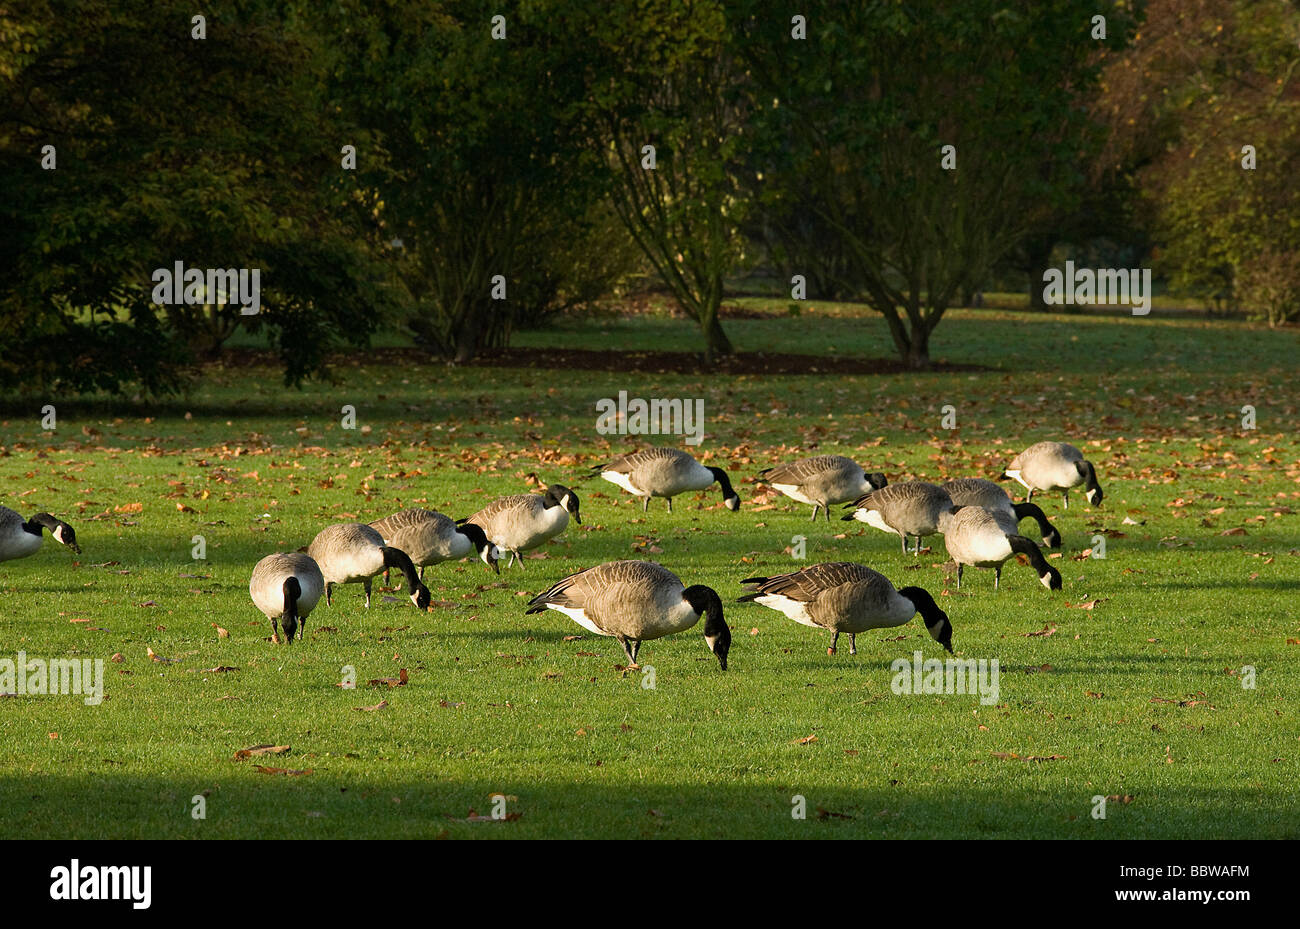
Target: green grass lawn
[1140, 696]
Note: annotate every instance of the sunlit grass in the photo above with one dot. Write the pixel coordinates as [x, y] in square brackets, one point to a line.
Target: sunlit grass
[500, 702]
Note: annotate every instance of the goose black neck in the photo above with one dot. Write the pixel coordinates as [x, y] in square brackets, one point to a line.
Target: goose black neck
[1088, 473]
[45, 520]
[706, 602]
[474, 532]
[1034, 511]
[292, 592]
[396, 558]
[1022, 546]
[923, 602]
[723, 481]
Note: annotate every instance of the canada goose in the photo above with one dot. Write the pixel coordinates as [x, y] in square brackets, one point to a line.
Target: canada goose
[822, 481]
[634, 601]
[975, 491]
[351, 552]
[1055, 466]
[430, 538]
[665, 472]
[286, 587]
[845, 597]
[912, 508]
[976, 536]
[22, 537]
[524, 521]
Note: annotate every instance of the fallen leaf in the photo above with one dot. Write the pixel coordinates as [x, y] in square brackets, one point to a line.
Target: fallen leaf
[398, 681]
[260, 750]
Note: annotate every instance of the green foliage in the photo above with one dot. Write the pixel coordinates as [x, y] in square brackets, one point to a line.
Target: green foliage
[213, 152]
[478, 161]
[584, 262]
[1212, 79]
[855, 119]
[673, 82]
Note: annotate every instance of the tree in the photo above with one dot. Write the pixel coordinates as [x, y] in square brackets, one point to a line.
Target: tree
[212, 151]
[933, 138]
[477, 153]
[671, 108]
[1216, 85]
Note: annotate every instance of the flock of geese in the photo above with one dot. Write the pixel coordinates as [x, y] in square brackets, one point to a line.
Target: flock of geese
[634, 601]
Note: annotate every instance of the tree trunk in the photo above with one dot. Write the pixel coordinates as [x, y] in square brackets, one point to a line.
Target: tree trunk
[466, 343]
[918, 349]
[716, 337]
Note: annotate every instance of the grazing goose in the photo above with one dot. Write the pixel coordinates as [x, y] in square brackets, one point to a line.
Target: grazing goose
[975, 491]
[665, 472]
[525, 521]
[822, 481]
[912, 508]
[845, 597]
[634, 601]
[351, 552]
[22, 537]
[430, 538]
[1055, 466]
[286, 587]
[975, 536]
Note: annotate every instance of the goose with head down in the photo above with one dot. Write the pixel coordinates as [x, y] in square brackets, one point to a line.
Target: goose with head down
[352, 553]
[823, 481]
[286, 587]
[976, 491]
[522, 522]
[984, 539]
[914, 508]
[22, 537]
[844, 597]
[1051, 466]
[665, 472]
[430, 538]
[634, 601]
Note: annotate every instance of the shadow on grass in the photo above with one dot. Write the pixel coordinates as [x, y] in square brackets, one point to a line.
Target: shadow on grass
[345, 798]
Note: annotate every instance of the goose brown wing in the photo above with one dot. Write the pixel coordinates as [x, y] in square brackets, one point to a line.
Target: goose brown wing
[815, 580]
[805, 469]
